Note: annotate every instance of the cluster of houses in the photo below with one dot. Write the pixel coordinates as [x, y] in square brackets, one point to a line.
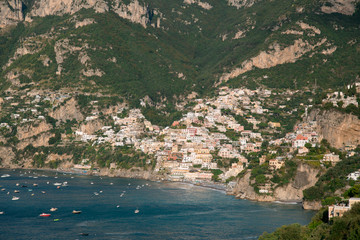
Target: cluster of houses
[191, 148]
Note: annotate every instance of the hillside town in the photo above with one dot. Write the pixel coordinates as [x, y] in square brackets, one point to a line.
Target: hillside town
[215, 140]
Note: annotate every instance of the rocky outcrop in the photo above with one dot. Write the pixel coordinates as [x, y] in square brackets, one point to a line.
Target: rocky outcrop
[10, 12]
[84, 22]
[346, 7]
[241, 3]
[312, 205]
[244, 190]
[305, 177]
[68, 111]
[37, 141]
[31, 130]
[44, 8]
[339, 129]
[204, 5]
[133, 12]
[275, 56]
[6, 157]
[91, 127]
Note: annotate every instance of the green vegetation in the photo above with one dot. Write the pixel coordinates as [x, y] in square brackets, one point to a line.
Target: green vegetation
[335, 178]
[346, 227]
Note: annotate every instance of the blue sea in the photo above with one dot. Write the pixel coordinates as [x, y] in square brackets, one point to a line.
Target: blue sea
[107, 205]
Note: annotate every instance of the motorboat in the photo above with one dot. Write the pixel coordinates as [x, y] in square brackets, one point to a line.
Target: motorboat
[57, 184]
[15, 198]
[137, 211]
[76, 212]
[5, 175]
[16, 191]
[45, 215]
[53, 209]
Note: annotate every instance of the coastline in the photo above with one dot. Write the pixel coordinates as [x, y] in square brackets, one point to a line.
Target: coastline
[144, 175]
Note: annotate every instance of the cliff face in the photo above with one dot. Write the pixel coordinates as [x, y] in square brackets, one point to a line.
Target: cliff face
[10, 12]
[337, 128]
[305, 177]
[69, 111]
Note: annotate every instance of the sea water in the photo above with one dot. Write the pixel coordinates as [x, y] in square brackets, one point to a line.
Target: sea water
[166, 210]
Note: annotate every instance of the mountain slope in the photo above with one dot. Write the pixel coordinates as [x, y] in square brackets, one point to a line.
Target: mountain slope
[163, 49]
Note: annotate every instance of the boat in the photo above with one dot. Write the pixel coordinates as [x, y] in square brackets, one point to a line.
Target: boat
[23, 186]
[57, 184]
[2, 212]
[58, 187]
[5, 175]
[3, 189]
[35, 184]
[96, 194]
[56, 219]
[15, 198]
[84, 234]
[137, 211]
[17, 184]
[53, 209]
[16, 191]
[76, 212]
[43, 192]
[45, 215]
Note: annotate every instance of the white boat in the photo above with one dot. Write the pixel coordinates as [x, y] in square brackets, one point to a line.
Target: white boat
[2, 212]
[137, 211]
[53, 209]
[96, 193]
[5, 175]
[57, 184]
[15, 198]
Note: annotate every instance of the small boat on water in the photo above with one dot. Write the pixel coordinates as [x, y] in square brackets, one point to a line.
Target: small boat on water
[53, 209]
[137, 211]
[2, 212]
[5, 175]
[15, 198]
[3, 189]
[35, 185]
[57, 184]
[96, 193]
[23, 186]
[43, 192]
[56, 219]
[76, 212]
[16, 191]
[91, 183]
[84, 234]
[45, 215]
[17, 184]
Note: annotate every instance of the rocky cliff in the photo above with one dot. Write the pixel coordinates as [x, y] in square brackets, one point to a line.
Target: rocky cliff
[339, 129]
[305, 177]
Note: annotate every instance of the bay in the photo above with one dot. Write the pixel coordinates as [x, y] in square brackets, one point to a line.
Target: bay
[166, 210]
